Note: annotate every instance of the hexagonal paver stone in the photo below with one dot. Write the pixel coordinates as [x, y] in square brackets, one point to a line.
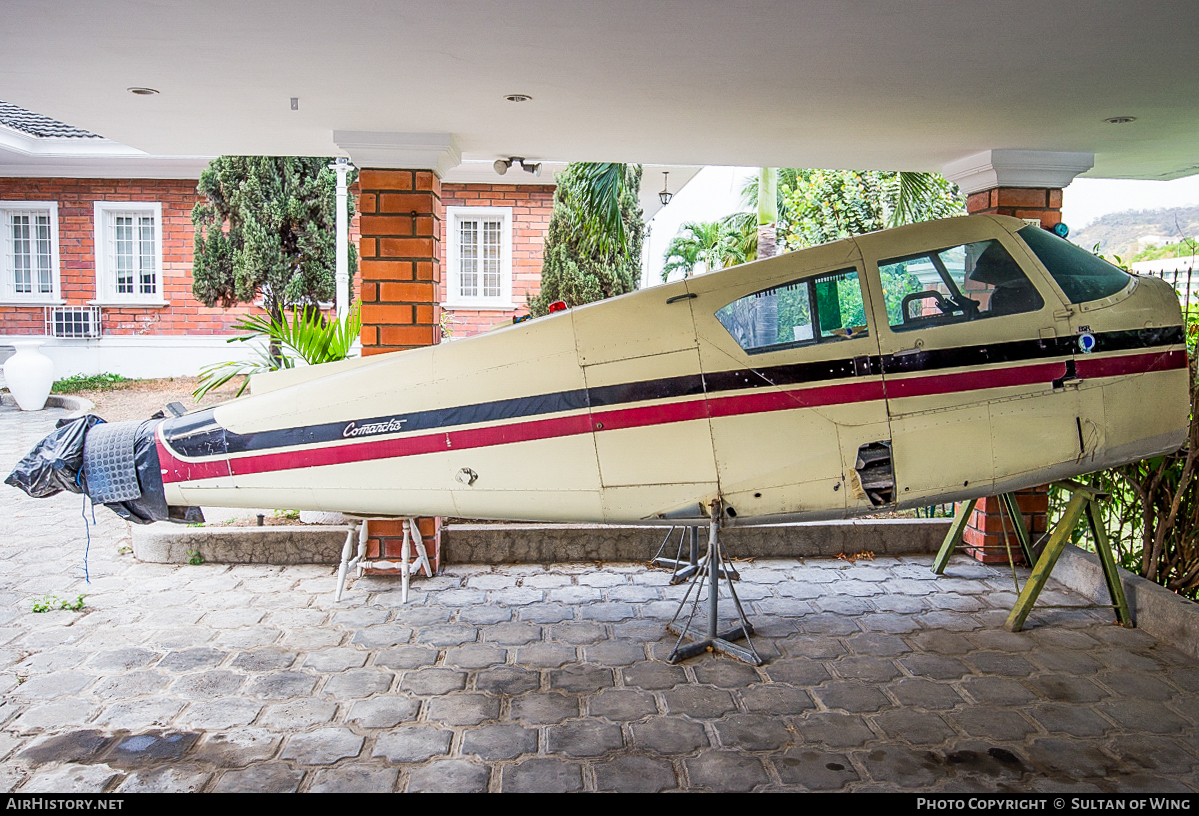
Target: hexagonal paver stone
[1065, 688]
[261, 778]
[507, 680]
[119, 660]
[358, 683]
[903, 768]
[209, 684]
[815, 770]
[922, 693]
[753, 732]
[545, 655]
[503, 741]
[55, 684]
[581, 678]
[323, 747]
[192, 659]
[545, 709]
[725, 673]
[997, 690]
[584, 738]
[414, 743]
[546, 613]
[1077, 721]
[699, 701]
[449, 776]
[74, 746]
[71, 779]
[334, 660]
[653, 675]
[669, 735]
[299, 714]
[264, 659]
[578, 633]
[463, 709]
[776, 699]
[433, 681]
[622, 705]
[936, 666]
[834, 729]
[221, 714]
[475, 656]
[185, 779]
[798, 671]
[382, 636]
[238, 747]
[608, 611]
[542, 776]
[384, 712]
[406, 657]
[873, 669]
[1144, 715]
[635, 774]
[1078, 760]
[447, 635]
[915, 727]
[614, 653]
[279, 685]
[726, 771]
[355, 780]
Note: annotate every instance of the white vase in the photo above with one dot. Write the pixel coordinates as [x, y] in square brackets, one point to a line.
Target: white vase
[29, 374]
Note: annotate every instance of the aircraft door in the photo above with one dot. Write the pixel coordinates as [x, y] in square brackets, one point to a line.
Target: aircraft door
[969, 361]
[787, 361]
[648, 418]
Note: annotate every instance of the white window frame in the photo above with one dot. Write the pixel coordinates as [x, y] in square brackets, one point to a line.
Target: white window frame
[106, 284]
[8, 289]
[453, 297]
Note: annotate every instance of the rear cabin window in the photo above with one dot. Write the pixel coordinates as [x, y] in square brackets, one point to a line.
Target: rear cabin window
[1082, 275]
[824, 309]
[962, 283]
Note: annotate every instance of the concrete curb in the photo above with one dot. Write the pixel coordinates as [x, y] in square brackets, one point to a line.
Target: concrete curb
[540, 543]
[78, 406]
[1155, 609]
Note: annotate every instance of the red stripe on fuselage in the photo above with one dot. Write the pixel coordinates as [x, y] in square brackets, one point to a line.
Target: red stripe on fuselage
[177, 470]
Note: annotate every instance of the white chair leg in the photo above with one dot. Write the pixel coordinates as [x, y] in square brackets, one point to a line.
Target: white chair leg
[345, 561]
[405, 554]
[422, 557]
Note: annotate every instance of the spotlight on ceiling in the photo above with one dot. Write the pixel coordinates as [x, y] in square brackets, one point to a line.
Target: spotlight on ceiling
[501, 165]
[142, 91]
[532, 167]
[665, 195]
[1120, 120]
[518, 97]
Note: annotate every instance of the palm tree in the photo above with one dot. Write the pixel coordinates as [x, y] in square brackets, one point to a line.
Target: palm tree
[712, 243]
[595, 191]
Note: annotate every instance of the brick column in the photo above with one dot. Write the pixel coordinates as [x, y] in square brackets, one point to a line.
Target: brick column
[400, 262]
[983, 536]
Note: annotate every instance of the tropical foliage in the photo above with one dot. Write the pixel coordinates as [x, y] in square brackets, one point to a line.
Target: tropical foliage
[1152, 513]
[593, 244]
[712, 244]
[307, 336]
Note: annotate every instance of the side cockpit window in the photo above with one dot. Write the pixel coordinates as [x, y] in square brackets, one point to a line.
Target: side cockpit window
[954, 285]
[823, 309]
[1082, 275]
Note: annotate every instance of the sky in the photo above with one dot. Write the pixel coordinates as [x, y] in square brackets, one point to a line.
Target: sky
[716, 191]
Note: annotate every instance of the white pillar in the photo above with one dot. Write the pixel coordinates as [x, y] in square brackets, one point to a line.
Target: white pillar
[342, 167]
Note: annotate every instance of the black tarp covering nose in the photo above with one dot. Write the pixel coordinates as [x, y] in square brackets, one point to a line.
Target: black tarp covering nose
[57, 463]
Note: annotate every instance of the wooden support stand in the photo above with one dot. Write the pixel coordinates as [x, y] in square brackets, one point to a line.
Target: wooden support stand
[1084, 501]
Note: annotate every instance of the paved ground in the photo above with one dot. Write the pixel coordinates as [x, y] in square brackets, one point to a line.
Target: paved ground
[519, 678]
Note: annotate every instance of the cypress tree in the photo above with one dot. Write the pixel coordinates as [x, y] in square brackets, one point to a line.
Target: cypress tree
[267, 227]
[573, 268]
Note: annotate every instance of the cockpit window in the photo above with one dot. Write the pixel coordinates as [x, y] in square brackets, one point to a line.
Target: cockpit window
[1082, 275]
[823, 309]
[961, 283]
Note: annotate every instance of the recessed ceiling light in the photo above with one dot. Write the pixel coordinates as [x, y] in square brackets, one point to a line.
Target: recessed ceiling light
[518, 98]
[142, 91]
[1120, 120]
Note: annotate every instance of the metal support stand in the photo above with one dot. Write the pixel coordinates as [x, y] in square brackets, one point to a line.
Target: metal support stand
[1083, 502]
[684, 570]
[712, 570]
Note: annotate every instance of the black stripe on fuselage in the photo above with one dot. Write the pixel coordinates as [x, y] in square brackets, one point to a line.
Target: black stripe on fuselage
[198, 435]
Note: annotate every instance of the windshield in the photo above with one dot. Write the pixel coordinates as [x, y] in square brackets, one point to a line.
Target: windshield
[1081, 275]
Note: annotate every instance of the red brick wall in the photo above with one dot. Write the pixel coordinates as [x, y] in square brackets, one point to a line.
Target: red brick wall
[75, 197]
[531, 207]
[1019, 202]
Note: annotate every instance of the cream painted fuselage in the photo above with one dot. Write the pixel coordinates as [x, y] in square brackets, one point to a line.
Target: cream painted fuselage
[734, 385]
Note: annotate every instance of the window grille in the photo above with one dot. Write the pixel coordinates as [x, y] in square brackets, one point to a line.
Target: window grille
[73, 321]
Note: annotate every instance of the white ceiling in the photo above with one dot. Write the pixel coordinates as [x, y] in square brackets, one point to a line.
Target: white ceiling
[811, 83]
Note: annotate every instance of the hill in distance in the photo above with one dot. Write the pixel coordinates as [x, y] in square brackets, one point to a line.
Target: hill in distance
[1118, 233]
